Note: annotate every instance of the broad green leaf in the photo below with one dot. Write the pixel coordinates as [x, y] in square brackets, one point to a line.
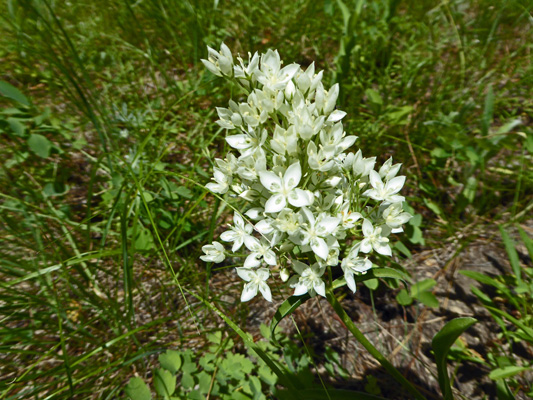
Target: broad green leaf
[40, 145]
[441, 344]
[184, 192]
[136, 389]
[144, 240]
[164, 382]
[502, 391]
[16, 126]
[506, 372]
[403, 249]
[428, 299]
[422, 286]
[372, 284]
[170, 360]
[403, 298]
[433, 206]
[385, 273]
[187, 380]
[11, 92]
[373, 96]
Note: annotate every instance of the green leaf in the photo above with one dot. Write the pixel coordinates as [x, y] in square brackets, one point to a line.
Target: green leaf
[372, 284]
[422, 286]
[164, 382]
[403, 249]
[170, 360]
[16, 126]
[441, 344]
[286, 308]
[403, 298]
[527, 241]
[11, 92]
[136, 389]
[187, 381]
[144, 240]
[184, 192]
[373, 96]
[288, 380]
[488, 111]
[428, 299]
[433, 206]
[55, 189]
[506, 372]
[39, 145]
[513, 255]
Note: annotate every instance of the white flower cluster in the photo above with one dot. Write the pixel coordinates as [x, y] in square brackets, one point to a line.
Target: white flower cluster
[311, 203]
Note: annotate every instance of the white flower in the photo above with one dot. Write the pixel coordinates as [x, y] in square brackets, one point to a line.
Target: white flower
[362, 166]
[348, 218]
[284, 274]
[238, 233]
[319, 160]
[385, 192]
[284, 189]
[316, 230]
[395, 217]
[256, 281]
[259, 249]
[248, 143]
[213, 252]
[219, 63]
[310, 280]
[271, 74]
[389, 171]
[222, 182]
[245, 71]
[374, 240]
[354, 265]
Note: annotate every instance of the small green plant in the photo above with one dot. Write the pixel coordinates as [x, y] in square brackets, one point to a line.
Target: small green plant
[512, 309]
[420, 291]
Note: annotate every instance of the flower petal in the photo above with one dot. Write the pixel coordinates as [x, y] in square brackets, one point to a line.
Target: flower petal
[292, 176]
[320, 288]
[375, 179]
[350, 281]
[245, 274]
[395, 185]
[265, 291]
[249, 292]
[275, 204]
[368, 229]
[320, 248]
[252, 261]
[300, 198]
[270, 181]
[300, 289]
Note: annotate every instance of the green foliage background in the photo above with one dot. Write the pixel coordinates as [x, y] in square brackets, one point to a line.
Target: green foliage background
[107, 124]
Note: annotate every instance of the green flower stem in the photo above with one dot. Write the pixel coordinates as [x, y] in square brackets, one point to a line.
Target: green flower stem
[371, 349]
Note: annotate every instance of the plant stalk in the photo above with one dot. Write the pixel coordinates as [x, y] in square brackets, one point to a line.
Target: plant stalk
[371, 349]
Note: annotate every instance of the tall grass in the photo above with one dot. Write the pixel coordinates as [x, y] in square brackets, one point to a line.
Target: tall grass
[98, 236]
